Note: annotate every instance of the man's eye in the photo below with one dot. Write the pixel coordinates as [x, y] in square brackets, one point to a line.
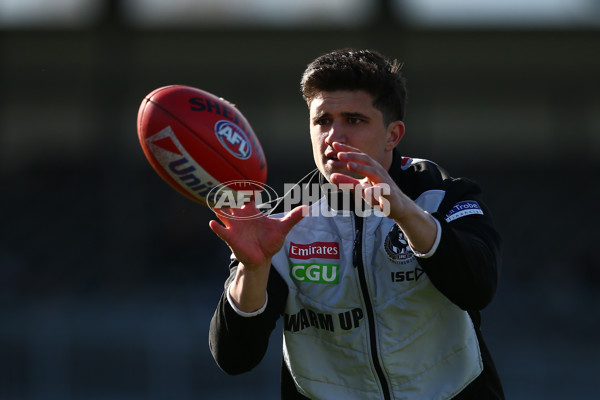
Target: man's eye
[322, 121]
[354, 121]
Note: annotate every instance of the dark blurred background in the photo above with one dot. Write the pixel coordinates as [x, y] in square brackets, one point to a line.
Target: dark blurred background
[108, 277]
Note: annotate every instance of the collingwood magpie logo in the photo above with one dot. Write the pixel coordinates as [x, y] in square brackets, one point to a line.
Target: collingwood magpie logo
[397, 248]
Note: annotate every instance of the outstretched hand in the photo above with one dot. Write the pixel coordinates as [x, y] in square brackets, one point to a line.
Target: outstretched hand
[253, 237]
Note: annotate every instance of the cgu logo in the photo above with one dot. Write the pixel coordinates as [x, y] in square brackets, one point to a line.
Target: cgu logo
[233, 139]
[318, 273]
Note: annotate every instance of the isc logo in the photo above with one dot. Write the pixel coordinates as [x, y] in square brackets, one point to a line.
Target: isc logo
[318, 273]
[405, 276]
[233, 139]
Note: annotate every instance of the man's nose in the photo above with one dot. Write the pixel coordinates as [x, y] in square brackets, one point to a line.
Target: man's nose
[335, 134]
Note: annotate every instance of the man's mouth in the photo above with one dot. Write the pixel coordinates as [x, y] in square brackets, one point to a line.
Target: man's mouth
[333, 161]
[331, 155]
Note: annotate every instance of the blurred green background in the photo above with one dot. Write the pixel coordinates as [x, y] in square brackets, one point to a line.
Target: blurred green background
[108, 277]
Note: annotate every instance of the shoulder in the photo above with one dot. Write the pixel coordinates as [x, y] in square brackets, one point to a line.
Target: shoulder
[422, 168]
[416, 176]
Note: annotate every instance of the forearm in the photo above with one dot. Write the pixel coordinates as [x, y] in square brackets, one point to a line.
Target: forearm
[419, 227]
[465, 265]
[249, 287]
[238, 343]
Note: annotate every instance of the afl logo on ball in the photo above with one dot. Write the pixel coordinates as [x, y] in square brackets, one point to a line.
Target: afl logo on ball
[233, 139]
[397, 248]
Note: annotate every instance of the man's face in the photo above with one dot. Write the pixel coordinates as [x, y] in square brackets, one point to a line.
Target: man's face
[350, 118]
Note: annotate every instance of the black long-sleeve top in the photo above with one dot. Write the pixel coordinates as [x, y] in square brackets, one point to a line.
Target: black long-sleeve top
[464, 267]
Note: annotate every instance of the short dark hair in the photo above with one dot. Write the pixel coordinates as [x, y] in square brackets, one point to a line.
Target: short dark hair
[351, 69]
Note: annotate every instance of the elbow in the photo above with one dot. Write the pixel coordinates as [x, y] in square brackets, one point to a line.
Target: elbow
[479, 294]
[227, 364]
[483, 278]
[230, 360]
[475, 300]
[482, 298]
[232, 369]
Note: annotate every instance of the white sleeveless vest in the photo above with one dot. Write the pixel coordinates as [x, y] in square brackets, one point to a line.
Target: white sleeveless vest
[418, 344]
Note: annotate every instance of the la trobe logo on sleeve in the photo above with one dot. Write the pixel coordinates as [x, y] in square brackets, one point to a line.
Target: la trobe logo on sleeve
[462, 209]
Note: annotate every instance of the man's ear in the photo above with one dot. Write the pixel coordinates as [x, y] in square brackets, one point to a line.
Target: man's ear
[395, 134]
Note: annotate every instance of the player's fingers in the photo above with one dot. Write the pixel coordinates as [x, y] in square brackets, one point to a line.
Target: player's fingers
[352, 154]
[339, 179]
[247, 210]
[371, 172]
[368, 195]
[219, 230]
[361, 158]
[224, 215]
[294, 217]
[337, 146]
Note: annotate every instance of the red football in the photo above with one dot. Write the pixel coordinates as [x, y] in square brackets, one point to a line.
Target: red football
[198, 142]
